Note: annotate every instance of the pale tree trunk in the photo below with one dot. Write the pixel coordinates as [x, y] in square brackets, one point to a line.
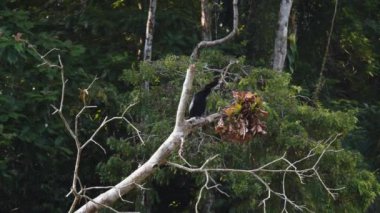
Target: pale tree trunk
[181, 129]
[149, 35]
[206, 20]
[149, 30]
[280, 43]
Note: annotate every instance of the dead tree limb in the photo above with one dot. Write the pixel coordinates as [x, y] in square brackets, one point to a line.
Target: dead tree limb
[313, 157]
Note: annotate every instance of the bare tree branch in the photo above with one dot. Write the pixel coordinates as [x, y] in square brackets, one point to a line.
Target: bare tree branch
[74, 133]
[291, 168]
[204, 44]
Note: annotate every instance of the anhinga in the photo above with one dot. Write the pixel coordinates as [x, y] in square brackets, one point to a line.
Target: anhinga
[198, 103]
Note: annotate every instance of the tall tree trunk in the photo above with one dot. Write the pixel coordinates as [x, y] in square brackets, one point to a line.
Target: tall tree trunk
[320, 82]
[149, 30]
[149, 35]
[206, 20]
[280, 43]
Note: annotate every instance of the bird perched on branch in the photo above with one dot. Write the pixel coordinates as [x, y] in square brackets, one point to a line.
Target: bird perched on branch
[198, 103]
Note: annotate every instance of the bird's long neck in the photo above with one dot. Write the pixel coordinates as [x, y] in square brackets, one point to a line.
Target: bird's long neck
[207, 89]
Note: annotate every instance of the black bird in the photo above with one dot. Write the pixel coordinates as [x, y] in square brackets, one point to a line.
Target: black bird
[198, 103]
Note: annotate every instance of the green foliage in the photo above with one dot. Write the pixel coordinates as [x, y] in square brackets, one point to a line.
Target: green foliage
[292, 54]
[36, 153]
[365, 137]
[352, 67]
[297, 127]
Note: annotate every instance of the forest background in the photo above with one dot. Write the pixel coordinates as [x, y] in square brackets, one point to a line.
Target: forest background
[105, 39]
